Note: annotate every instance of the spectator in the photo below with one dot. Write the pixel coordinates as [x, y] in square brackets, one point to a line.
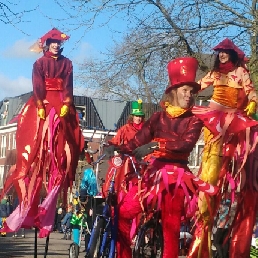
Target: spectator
[221, 240]
[4, 212]
[78, 221]
[65, 223]
[255, 236]
[58, 218]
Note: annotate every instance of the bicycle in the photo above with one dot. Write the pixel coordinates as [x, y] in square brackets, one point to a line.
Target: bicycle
[149, 240]
[102, 242]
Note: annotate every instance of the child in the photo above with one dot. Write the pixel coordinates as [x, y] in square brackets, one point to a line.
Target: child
[66, 223]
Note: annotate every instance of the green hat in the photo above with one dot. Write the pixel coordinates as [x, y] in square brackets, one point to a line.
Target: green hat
[255, 116]
[137, 108]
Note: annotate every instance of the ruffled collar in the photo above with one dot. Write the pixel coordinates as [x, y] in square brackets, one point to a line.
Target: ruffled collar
[174, 111]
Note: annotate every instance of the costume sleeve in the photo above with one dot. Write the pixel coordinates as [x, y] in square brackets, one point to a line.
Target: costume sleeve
[248, 86]
[68, 85]
[38, 82]
[206, 81]
[143, 136]
[188, 140]
[118, 138]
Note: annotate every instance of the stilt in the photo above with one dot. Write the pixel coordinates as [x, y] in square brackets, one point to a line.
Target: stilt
[35, 243]
[46, 247]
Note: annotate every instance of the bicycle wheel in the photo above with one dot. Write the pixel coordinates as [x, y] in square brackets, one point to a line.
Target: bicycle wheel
[96, 239]
[73, 251]
[149, 241]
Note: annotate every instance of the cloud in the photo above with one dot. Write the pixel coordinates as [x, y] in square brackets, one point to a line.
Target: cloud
[20, 49]
[14, 87]
[85, 50]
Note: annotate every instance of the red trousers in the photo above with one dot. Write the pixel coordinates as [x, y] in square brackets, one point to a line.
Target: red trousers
[243, 229]
[171, 210]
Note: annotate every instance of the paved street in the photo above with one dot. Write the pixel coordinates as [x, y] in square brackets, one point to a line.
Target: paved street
[24, 247]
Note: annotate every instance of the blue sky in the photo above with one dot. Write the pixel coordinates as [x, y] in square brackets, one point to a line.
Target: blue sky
[16, 59]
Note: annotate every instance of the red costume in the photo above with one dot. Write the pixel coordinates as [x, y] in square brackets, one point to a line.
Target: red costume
[123, 136]
[47, 150]
[167, 178]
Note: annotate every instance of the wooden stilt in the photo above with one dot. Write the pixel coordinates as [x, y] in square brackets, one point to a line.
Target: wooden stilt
[46, 247]
[36, 243]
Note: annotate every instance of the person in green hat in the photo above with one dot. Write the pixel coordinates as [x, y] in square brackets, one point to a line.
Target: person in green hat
[123, 136]
[134, 124]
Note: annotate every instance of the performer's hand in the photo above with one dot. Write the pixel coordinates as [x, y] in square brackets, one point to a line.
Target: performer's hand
[64, 110]
[42, 113]
[109, 151]
[251, 108]
[144, 150]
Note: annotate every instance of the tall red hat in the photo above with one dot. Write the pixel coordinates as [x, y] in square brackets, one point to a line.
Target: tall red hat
[227, 44]
[182, 71]
[54, 34]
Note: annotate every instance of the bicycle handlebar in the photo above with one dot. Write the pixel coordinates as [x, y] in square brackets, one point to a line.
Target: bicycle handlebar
[99, 159]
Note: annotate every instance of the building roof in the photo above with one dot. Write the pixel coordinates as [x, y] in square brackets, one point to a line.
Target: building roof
[109, 111]
[96, 113]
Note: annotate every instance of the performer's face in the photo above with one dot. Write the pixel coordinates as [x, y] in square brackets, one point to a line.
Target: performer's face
[137, 119]
[54, 46]
[223, 56]
[184, 96]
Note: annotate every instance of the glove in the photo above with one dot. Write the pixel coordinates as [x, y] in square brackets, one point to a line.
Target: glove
[42, 113]
[251, 108]
[109, 151]
[64, 110]
[144, 150]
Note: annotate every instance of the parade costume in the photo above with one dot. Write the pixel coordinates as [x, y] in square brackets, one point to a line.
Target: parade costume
[226, 136]
[168, 137]
[48, 142]
[123, 136]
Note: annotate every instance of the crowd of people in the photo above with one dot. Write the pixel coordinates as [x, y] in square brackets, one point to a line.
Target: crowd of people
[49, 142]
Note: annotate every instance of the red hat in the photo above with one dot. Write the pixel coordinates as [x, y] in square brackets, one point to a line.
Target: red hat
[182, 71]
[54, 34]
[227, 44]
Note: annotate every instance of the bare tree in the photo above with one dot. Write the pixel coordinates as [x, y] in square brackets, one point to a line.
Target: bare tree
[133, 69]
[9, 16]
[160, 30]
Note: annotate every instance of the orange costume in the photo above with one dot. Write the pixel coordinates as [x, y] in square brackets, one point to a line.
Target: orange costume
[227, 126]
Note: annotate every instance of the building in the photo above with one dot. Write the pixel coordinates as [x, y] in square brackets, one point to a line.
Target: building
[99, 119]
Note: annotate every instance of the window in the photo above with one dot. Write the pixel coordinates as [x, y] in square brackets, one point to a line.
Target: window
[14, 141]
[199, 154]
[1, 177]
[191, 158]
[195, 157]
[9, 141]
[3, 146]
